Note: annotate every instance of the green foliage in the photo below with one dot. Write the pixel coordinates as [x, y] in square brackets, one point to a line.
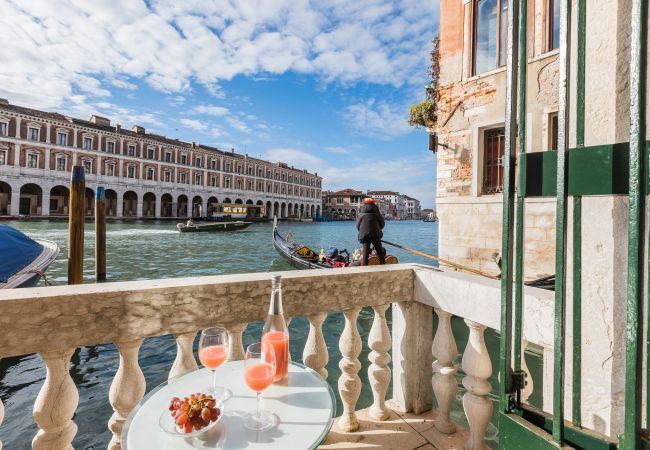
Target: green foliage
[423, 114]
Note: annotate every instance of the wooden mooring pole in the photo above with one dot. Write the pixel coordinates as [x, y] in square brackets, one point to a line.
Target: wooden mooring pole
[100, 234]
[76, 226]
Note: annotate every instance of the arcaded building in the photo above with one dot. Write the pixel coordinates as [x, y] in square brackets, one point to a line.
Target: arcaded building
[145, 175]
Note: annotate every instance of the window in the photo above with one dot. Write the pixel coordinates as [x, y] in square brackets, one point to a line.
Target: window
[249, 170]
[3, 128]
[490, 35]
[3, 157]
[238, 184]
[183, 178]
[150, 173]
[197, 161]
[260, 173]
[61, 138]
[494, 148]
[238, 168]
[226, 183]
[553, 131]
[167, 176]
[168, 156]
[110, 169]
[88, 166]
[213, 164]
[183, 159]
[130, 171]
[32, 160]
[131, 150]
[213, 181]
[33, 133]
[553, 24]
[110, 147]
[61, 163]
[150, 153]
[227, 167]
[88, 143]
[197, 179]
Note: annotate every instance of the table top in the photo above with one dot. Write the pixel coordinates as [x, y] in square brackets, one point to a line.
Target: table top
[305, 405]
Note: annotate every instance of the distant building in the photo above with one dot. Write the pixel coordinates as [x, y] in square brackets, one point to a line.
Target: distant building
[428, 213]
[146, 175]
[343, 204]
[413, 210]
[397, 201]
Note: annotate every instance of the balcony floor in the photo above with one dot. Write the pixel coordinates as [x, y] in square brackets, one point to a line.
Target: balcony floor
[400, 431]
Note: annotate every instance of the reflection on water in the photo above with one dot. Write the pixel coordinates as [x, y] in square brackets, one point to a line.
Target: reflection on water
[137, 251]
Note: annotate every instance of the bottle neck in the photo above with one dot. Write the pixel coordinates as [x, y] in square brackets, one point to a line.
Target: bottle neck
[275, 307]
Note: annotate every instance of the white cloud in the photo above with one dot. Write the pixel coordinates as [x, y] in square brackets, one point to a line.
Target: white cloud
[53, 49]
[379, 118]
[295, 157]
[194, 124]
[237, 124]
[211, 110]
[338, 150]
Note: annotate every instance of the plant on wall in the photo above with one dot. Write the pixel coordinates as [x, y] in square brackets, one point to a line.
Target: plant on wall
[424, 114]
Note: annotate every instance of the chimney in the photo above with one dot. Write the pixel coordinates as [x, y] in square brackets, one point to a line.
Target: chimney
[138, 129]
[232, 150]
[193, 144]
[118, 128]
[100, 121]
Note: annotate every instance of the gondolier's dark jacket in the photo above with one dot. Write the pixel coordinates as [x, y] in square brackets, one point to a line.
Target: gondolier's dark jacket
[370, 223]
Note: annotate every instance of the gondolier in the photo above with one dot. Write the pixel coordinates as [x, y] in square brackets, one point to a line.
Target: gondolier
[369, 224]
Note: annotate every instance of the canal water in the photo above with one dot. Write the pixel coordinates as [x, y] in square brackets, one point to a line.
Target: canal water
[149, 250]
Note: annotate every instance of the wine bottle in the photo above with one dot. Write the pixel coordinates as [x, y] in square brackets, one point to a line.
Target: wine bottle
[275, 331]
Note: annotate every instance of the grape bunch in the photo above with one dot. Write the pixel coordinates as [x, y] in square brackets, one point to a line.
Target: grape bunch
[194, 412]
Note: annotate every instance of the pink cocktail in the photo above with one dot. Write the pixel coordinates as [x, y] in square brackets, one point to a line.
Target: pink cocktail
[280, 342]
[259, 376]
[213, 356]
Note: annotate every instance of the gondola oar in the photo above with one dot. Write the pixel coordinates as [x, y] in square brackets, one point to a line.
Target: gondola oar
[444, 261]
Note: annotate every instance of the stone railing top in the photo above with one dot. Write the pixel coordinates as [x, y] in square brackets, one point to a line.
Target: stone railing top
[479, 299]
[52, 318]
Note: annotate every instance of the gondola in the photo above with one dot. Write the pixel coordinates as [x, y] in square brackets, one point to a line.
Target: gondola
[302, 257]
[24, 260]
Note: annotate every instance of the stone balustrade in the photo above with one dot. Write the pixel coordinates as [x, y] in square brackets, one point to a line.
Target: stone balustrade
[54, 321]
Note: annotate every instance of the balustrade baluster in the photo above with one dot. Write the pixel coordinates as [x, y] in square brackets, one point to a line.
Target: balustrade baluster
[478, 407]
[185, 361]
[379, 341]
[444, 383]
[127, 388]
[349, 381]
[56, 403]
[235, 344]
[315, 354]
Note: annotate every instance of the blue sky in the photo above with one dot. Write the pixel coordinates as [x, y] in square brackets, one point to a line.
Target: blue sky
[320, 85]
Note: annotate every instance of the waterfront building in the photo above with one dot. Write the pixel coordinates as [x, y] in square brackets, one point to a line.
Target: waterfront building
[470, 128]
[428, 213]
[412, 207]
[343, 204]
[145, 175]
[397, 201]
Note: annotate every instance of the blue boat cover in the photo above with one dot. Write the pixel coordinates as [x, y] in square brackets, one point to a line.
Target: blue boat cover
[17, 251]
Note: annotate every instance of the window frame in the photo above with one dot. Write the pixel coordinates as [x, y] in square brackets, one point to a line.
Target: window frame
[474, 35]
[484, 189]
[4, 159]
[130, 150]
[168, 156]
[550, 24]
[38, 133]
[87, 140]
[84, 162]
[62, 138]
[109, 165]
[6, 128]
[108, 143]
[130, 171]
[29, 155]
[57, 160]
[151, 151]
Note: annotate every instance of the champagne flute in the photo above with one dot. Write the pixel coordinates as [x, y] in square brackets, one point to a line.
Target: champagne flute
[213, 350]
[259, 370]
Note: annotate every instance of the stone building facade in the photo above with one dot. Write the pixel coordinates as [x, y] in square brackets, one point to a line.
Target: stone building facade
[343, 204]
[145, 175]
[412, 208]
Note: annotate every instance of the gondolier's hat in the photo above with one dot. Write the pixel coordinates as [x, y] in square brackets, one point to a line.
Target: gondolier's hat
[369, 200]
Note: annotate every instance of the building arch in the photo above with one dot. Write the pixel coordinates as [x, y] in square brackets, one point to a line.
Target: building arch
[5, 198]
[149, 205]
[211, 203]
[269, 210]
[227, 200]
[111, 202]
[181, 206]
[31, 200]
[312, 209]
[197, 206]
[89, 205]
[283, 210]
[239, 201]
[276, 209]
[166, 205]
[130, 204]
[249, 202]
[59, 200]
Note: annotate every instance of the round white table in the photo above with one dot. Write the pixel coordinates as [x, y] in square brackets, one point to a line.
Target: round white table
[305, 405]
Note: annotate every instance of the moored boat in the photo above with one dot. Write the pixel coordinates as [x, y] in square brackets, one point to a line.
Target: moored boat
[24, 260]
[212, 227]
[302, 257]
